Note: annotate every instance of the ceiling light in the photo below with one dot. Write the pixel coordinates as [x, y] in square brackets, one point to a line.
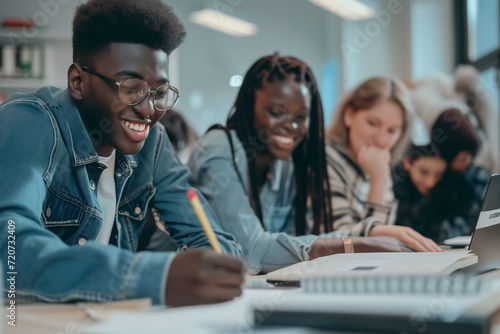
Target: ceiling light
[236, 81]
[224, 23]
[348, 9]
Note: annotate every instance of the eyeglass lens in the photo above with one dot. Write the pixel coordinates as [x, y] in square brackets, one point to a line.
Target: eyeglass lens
[133, 91]
[279, 118]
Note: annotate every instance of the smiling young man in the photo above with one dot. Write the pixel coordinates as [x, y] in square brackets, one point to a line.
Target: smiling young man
[83, 165]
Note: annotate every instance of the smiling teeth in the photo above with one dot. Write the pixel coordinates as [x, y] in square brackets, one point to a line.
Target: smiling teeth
[135, 126]
[284, 139]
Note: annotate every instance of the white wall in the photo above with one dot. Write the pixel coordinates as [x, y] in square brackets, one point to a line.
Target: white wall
[407, 39]
[377, 46]
[432, 37]
[208, 58]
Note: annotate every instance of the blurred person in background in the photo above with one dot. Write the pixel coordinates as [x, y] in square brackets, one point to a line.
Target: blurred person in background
[370, 130]
[428, 201]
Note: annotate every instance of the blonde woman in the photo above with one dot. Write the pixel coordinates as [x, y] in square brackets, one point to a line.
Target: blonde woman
[370, 131]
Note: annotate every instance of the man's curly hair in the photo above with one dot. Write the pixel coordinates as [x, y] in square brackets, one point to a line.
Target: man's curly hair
[98, 23]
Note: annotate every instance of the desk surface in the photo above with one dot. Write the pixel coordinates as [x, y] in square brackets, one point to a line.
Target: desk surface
[132, 316]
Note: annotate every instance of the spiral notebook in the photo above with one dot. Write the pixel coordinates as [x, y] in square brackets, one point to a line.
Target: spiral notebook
[386, 313]
[374, 264]
[457, 303]
[458, 284]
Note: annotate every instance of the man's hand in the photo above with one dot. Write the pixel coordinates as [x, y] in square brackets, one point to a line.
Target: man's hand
[200, 276]
[408, 236]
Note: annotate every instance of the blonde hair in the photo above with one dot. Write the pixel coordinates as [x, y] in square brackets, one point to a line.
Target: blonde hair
[368, 94]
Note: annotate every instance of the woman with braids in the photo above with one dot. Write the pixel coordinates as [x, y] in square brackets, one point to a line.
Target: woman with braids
[371, 129]
[265, 172]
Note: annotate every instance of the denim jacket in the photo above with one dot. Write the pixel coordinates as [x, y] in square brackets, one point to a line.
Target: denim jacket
[49, 177]
[214, 173]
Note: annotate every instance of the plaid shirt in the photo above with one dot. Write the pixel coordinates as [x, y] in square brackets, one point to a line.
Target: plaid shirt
[350, 187]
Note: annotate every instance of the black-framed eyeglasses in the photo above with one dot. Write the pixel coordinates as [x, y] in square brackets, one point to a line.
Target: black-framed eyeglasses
[132, 91]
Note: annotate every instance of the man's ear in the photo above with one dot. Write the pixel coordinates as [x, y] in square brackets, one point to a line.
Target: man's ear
[406, 164]
[75, 86]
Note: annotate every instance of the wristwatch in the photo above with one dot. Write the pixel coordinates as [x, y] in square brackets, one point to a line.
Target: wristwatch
[348, 246]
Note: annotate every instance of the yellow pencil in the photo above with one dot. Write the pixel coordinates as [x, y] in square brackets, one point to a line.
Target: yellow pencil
[202, 217]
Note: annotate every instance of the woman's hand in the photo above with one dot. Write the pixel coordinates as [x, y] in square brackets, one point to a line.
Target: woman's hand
[374, 161]
[408, 236]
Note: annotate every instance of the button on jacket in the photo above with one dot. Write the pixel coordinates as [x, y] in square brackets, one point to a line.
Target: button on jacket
[48, 177]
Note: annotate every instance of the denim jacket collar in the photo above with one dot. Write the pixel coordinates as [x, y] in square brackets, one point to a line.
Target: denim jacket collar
[74, 134]
[77, 139]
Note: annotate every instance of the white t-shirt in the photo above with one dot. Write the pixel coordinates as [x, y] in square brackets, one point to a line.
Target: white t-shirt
[106, 196]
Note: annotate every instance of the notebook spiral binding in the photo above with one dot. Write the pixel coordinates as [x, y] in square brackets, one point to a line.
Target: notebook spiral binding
[351, 284]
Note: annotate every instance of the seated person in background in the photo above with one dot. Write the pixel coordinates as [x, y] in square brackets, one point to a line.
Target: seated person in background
[437, 201]
[181, 135]
[262, 171]
[371, 127]
[438, 92]
[422, 206]
[457, 114]
[458, 143]
[84, 164]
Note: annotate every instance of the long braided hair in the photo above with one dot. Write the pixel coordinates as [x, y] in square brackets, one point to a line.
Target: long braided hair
[311, 179]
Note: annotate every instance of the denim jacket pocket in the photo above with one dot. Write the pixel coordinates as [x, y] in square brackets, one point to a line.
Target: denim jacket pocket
[60, 215]
[135, 206]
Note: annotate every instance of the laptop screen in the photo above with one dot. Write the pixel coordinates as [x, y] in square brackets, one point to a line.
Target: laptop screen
[485, 241]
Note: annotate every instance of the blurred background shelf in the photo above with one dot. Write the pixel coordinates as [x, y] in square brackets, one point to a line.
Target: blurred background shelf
[21, 83]
[55, 56]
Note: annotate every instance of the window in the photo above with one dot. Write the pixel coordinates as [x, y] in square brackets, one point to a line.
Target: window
[483, 31]
[477, 30]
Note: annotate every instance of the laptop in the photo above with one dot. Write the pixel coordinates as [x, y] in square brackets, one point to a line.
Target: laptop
[485, 242]
[458, 242]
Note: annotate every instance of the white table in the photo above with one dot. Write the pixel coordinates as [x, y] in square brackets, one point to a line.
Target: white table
[139, 317]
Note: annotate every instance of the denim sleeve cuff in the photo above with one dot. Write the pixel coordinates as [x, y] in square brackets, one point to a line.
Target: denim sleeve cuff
[334, 234]
[275, 258]
[147, 276]
[304, 244]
